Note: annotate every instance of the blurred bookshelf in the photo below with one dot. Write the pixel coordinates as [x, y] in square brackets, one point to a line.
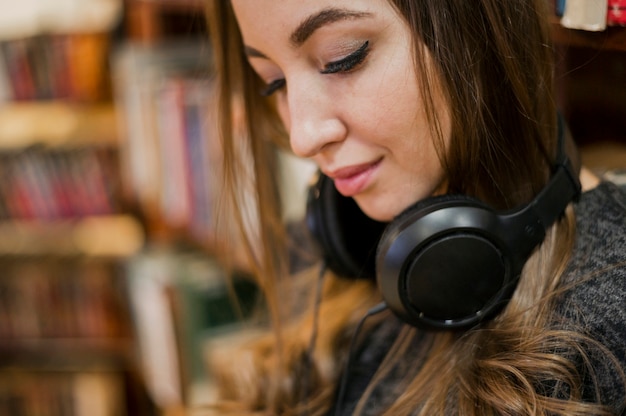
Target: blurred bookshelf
[67, 347]
[112, 288]
[182, 304]
[75, 222]
[181, 297]
[163, 97]
[591, 82]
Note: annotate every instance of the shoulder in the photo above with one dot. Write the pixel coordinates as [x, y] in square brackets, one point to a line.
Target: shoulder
[600, 209]
[595, 279]
[608, 200]
[600, 245]
[593, 300]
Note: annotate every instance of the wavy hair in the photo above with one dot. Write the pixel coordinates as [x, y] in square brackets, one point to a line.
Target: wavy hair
[492, 61]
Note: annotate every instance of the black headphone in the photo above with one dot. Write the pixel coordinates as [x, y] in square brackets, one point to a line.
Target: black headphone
[447, 262]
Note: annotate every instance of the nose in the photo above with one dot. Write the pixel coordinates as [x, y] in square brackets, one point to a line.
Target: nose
[312, 117]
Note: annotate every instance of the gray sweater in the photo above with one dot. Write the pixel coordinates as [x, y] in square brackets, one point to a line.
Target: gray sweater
[597, 302]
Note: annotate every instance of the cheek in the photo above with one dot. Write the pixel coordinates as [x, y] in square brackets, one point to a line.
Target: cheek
[391, 95]
[282, 107]
[395, 115]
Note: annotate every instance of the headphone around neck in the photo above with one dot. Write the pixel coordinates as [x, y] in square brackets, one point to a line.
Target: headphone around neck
[447, 262]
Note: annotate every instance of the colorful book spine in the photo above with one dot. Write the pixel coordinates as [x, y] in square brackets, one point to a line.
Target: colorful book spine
[60, 299]
[56, 183]
[588, 15]
[616, 15]
[53, 67]
[559, 7]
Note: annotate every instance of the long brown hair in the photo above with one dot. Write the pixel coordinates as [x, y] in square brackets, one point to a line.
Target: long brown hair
[493, 63]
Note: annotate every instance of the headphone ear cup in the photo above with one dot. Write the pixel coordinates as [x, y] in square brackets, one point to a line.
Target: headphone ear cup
[346, 237]
[441, 264]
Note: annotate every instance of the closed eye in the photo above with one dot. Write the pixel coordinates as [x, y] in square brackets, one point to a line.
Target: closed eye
[348, 63]
[273, 86]
[345, 64]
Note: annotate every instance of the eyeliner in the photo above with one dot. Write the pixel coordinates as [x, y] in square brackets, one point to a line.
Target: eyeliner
[349, 62]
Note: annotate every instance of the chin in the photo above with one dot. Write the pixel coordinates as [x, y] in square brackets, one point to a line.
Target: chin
[386, 206]
[379, 211]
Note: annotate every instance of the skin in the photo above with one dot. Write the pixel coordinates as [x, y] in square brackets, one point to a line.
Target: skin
[588, 179]
[364, 125]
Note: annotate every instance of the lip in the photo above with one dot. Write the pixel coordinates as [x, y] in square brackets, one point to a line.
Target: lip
[351, 180]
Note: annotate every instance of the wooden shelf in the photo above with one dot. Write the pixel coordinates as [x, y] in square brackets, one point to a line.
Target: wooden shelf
[104, 236]
[613, 38]
[604, 156]
[56, 123]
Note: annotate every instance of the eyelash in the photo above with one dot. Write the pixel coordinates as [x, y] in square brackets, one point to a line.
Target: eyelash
[345, 64]
[273, 86]
[348, 63]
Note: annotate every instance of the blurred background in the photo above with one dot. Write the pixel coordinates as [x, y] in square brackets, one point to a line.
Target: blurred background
[113, 295]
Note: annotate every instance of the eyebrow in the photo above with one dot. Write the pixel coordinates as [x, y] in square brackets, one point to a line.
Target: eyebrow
[322, 18]
[309, 25]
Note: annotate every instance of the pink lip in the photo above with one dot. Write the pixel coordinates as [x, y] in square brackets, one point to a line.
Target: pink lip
[351, 180]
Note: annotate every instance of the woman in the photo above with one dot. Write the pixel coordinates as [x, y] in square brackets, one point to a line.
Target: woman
[398, 102]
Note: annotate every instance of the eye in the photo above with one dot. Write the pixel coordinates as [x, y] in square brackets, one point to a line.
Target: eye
[273, 86]
[348, 63]
[345, 64]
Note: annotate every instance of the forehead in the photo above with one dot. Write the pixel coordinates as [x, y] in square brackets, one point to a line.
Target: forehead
[278, 19]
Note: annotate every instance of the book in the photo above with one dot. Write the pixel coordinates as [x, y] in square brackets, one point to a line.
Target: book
[164, 94]
[48, 66]
[18, 68]
[176, 186]
[616, 15]
[559, 7]
[56, 183]
[202, 156]
[50, 299]
[6, 93]
[183, 301]
[588, 15]
[148, 276]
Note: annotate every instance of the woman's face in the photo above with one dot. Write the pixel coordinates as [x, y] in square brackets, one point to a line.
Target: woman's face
[344, 79]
